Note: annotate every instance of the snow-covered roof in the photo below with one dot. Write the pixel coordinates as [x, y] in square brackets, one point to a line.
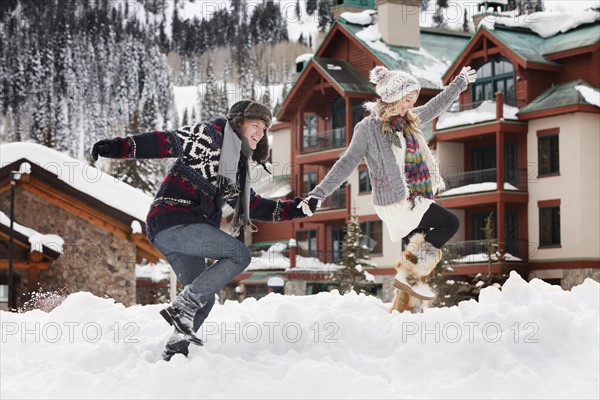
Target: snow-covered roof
[590, 94]
[545, 24]
[81, 176]
[267, 185]
[577, 92]
[486, 111]
[37, 240]
[304, 57]
[359, 18]
[476, 188]
[428, 63]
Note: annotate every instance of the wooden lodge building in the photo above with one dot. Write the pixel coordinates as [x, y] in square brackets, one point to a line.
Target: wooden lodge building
[521, 144]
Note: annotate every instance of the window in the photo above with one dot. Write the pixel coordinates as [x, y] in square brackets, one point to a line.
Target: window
[338, 113]
[478, 221]
[307, 243]
[310, 181]
[358, 113]
[550, 226]
[337, 240]
[3, 293]
[309, 133]
[364, 181]
[548, 155]
[373, 236]
[495, 76]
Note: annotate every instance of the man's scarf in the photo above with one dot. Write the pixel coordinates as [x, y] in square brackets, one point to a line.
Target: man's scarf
[234, 158]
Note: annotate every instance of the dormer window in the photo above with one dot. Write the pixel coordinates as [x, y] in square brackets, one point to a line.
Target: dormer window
[497, 75]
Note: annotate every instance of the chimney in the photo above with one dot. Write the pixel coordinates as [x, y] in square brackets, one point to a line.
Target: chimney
[399, 22]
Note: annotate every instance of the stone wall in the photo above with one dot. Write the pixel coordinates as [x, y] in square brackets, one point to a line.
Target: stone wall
[93, 259]
[574, 277]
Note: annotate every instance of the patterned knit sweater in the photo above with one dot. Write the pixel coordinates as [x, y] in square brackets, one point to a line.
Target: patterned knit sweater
[190, 193]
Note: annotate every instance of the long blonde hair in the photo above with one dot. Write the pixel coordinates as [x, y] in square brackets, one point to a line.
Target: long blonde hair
[386, 111]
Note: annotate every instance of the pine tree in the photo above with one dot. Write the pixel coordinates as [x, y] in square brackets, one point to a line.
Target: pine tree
[184, 120]
[297, 10]
[325, 15]
[133, 172]
[149, 120]
[355, 260]
[438, 18]
[311, 6]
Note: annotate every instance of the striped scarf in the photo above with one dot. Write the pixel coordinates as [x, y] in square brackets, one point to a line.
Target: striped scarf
[416, 172]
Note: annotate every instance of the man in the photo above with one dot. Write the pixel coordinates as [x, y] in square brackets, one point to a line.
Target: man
[211, 169]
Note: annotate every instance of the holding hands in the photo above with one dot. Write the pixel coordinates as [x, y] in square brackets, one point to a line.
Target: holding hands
[310, 204]
[469, 74]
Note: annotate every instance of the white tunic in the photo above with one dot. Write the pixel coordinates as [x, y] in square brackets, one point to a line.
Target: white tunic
[399, 219]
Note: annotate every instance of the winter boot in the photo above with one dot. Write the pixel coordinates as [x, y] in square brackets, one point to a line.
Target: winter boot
[408, 281]
[177, 344]
[430, 256]
[181, 314]
[412, 269]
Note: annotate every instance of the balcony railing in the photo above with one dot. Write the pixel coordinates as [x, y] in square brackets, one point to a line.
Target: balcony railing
[476, 251]
[337, 200]
[327, 140]
[516, 177]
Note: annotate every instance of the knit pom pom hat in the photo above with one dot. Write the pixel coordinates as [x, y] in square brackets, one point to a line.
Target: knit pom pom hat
[391, 86]
[248, 109]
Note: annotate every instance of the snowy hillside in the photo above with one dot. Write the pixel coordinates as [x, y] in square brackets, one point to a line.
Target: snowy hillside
[530, 340]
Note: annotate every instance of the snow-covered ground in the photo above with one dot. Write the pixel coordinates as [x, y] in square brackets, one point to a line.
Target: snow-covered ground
[529, 340]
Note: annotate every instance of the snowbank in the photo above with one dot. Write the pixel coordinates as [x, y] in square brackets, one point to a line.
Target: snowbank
[529, 340]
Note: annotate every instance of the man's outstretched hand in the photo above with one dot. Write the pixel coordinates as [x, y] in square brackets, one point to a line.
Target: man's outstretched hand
[105, 148]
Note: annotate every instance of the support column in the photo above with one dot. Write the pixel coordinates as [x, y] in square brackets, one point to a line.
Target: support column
[500, 211]
[499, 160]
[349, 127]
[500, 188]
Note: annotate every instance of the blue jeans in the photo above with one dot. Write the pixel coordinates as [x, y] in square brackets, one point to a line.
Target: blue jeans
[187, 247]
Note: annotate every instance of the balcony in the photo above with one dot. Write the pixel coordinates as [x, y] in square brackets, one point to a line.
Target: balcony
[327, 140]
[336, 201]
[517, 178]
[476, 251]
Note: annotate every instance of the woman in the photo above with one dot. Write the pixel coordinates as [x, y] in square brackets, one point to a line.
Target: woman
[404, 172]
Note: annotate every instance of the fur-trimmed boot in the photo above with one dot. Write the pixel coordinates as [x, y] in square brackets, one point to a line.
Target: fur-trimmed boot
[418, 260]
[181, 314]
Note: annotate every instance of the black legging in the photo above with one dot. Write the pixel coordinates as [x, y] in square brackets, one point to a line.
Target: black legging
[438, 225]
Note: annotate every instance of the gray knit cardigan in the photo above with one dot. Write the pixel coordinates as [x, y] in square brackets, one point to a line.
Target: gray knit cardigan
[368, 141]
